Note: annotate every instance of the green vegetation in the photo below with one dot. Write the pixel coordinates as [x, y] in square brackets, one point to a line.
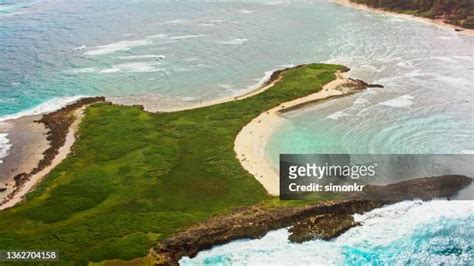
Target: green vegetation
[456, 12]
[135, 177]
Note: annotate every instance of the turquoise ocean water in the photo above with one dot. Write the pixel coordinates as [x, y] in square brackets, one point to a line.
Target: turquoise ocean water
[51, 52]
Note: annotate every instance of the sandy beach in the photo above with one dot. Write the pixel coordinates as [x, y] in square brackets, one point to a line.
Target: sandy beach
[32, 162]
[160, 104]
[436, 22]
[39, 143]
[251, 140]
[28, 140]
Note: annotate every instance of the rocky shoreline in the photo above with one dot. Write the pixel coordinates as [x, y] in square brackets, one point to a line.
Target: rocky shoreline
[58, 124]
[323, 220]
[354, 85]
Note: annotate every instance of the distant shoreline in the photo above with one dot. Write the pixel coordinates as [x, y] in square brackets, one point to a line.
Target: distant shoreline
[436, 22]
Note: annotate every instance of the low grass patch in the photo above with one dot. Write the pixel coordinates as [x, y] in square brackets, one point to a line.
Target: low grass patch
[134, 177]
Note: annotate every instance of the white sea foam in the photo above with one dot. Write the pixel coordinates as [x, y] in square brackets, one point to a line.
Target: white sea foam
[457, 81]
[355, 109]
[146, 56]
[46, 107]
[272, 249]
[245, 11]
[82, 47]
[467, 151]
[5, 146]
[118, 46]
[402, 101]
[189, 36]
[132, 67]
[277, 2]
[361, 101]
[446, 59]
[212, 23]
[379, 227]
[207, 24]
[135, 67]
[81, 70]
[405, 64]
[336, 115]
[159, 35]
[234, 41]
[176, 21]
[225, 86]
[266, 77]
[218, 21]
[393, 222]
[259, 83]
[286, 66]
[109, 70]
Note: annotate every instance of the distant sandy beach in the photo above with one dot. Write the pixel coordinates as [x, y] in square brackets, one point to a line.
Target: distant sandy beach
[252, 139]
[161, 104]
[436, 22]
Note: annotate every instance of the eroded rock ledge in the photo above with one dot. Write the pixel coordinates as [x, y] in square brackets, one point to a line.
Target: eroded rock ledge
[324, 220]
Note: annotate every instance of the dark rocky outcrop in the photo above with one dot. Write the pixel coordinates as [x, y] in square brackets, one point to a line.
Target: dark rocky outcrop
[423, 188]
[354, 85]
[58, 124]
[324, 226]
[375, 86]
[322, 220]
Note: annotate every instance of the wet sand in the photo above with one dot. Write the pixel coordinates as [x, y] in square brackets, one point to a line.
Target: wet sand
[28, 139]
[39, 143]
[161, 104]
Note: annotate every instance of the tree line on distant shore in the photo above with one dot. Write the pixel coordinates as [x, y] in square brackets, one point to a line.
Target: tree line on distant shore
[456, 12]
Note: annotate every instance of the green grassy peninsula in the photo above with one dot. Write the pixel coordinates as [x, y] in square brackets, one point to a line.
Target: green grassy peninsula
[133, 177]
